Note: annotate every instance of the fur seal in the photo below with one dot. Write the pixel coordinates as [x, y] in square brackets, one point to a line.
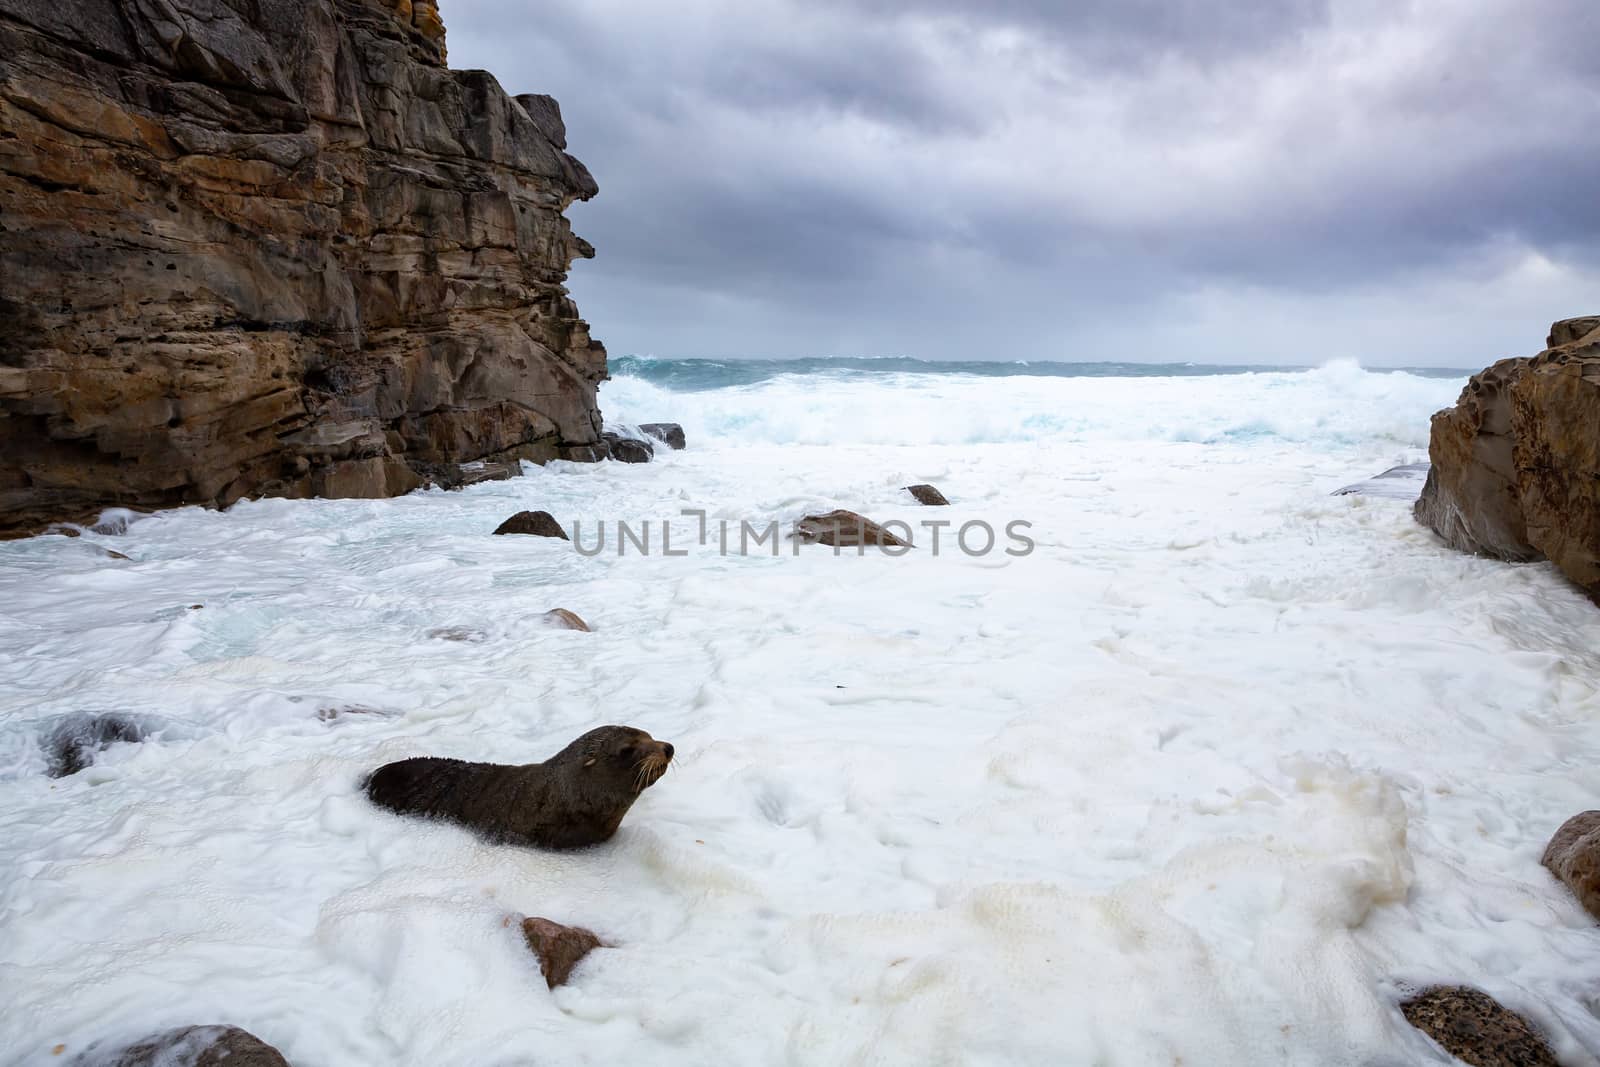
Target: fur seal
[575, 798]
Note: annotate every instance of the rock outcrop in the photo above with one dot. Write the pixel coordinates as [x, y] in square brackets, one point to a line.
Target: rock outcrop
[274, 248]
[1516, 463]
[1573, 856]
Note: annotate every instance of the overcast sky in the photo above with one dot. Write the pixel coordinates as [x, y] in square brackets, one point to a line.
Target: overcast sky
[1248, 181]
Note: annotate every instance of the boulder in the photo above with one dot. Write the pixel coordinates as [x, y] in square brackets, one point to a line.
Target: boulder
[669, 433]
[1573, 856]
[927, 495]
[189, 1046]
[533, 523]
[1475, 1028]
[1515, 461]
[842, 528]
[275, 249]
[627, 449]
[558, 947]
[565, 620]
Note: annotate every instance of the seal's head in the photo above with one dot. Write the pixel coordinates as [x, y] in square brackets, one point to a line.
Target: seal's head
[622, 757]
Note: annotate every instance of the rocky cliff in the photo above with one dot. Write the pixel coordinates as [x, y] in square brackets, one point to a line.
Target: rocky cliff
[1516, 463]
[274, 247]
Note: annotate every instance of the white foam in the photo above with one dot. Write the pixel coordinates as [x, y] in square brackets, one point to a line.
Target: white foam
[1338, 404]
[1215, 773]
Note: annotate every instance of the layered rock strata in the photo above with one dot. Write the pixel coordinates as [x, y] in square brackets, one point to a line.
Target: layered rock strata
[1516, 463]
[274, 247]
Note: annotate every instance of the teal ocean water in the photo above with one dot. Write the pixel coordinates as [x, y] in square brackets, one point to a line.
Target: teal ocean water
[684, 375]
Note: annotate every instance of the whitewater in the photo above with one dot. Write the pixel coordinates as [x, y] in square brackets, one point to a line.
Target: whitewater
[1216, 774]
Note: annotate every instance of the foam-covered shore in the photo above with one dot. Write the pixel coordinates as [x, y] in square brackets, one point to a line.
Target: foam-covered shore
[1215, 772]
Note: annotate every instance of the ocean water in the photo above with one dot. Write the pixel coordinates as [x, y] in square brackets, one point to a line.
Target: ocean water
[1215, 773]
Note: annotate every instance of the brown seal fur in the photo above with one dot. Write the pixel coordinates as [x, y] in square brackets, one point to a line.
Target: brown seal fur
[575, 798]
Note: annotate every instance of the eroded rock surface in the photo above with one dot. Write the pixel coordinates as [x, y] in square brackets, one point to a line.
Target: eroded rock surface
[1516, 463]
[1477, 1029]
[274, 248]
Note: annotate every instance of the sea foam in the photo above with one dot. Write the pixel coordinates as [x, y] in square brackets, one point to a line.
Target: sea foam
[1215, 774]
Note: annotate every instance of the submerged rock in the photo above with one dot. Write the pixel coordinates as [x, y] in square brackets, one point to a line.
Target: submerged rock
[566, 620]
[190, 1046]
[1475, 1028]
[558, 947]
[534, 524]
[927, 495]
[669, 433]
[345, 712]
[466, 634]
[275, 249]
[1573, 856]
[1514, 461]
[72, 743]
[1404, 482]
[843, 528]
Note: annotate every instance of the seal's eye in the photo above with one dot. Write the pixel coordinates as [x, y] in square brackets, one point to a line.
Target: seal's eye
[628, 751]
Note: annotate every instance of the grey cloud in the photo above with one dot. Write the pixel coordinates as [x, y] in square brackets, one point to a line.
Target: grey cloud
[928, 177]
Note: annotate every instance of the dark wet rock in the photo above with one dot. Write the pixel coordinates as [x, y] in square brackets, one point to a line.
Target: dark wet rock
[1475, 1028]
[1515, 461]
[566, 620]
[1573, 856]
[669, 433]
[927, 495]
[72, 742]
[190, 1046]
[842, 528]
[558, 947]
[534, 524]
[627, 449]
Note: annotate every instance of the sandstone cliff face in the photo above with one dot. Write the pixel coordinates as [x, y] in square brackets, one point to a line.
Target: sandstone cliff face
[1516, 463]
[274, 247]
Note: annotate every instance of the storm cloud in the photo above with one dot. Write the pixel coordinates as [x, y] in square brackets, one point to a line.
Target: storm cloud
[1256, 181]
